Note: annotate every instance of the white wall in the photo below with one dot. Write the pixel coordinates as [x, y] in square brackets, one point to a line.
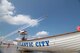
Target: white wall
[68, 42]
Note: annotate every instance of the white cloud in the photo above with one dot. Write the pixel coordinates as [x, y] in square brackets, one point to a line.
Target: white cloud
[40, 34]
[6, 7]
[7, 10]
[18, 38]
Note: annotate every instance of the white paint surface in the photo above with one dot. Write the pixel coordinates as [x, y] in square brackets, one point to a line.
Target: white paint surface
[66, 43]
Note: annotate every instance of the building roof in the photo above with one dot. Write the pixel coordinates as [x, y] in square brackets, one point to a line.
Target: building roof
[50, 36]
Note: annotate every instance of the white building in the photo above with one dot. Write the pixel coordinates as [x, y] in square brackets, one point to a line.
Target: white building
[63, 43]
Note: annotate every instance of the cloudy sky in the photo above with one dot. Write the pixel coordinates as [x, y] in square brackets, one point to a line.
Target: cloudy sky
[62, 16]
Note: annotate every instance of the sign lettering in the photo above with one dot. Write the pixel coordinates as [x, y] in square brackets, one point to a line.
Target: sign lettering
[32, 44]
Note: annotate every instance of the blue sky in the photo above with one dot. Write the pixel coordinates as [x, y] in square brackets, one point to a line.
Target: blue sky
[63, 16]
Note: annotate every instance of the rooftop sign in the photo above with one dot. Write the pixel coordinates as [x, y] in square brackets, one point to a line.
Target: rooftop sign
[32, 44]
